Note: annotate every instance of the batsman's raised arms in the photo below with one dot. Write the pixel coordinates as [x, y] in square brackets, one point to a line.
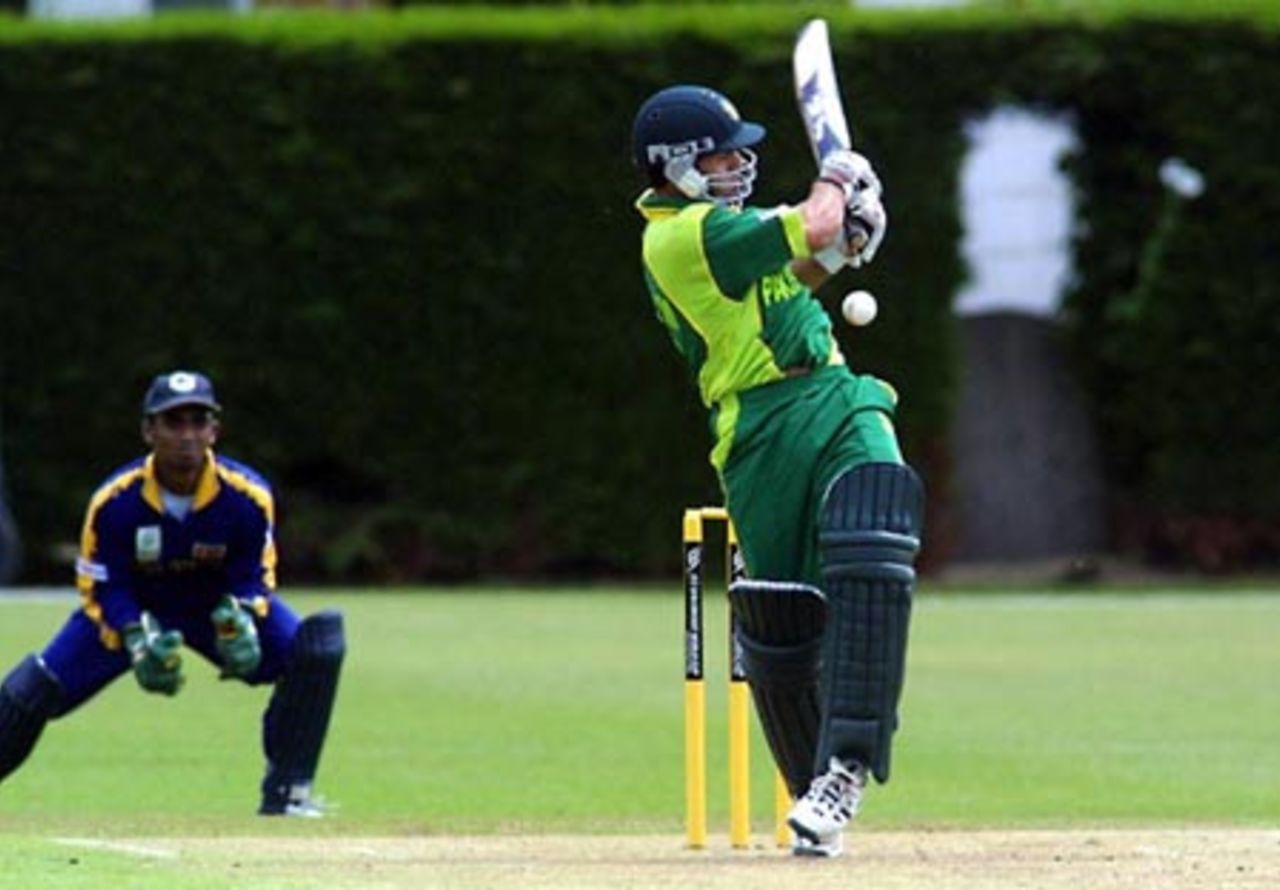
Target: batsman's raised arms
[822, 110]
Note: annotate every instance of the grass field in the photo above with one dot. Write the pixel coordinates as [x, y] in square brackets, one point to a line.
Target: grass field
[501, 714]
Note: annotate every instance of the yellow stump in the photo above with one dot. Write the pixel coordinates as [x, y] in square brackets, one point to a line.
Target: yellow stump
[739, 765]
[781, 806]
[695, 693]
[695, 762]
[695, 715]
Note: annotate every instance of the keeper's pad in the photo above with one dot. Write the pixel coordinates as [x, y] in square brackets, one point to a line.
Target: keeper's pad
[29, 697]
[779, 628]
[297, 719]
[869, 537]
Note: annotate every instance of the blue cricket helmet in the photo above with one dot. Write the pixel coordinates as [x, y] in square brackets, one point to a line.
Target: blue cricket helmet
[686, 119]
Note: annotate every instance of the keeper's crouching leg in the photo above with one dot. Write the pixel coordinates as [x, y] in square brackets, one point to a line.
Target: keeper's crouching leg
[779, 627]
[870, 534]
[297, 718]
[29, 697]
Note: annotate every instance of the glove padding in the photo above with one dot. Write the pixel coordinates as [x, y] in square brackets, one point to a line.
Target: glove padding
[865, 220]
[154, 652]
[864, 228]
[850, 171]
[236, 638]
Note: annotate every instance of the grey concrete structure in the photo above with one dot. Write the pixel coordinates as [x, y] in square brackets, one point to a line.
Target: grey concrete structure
[1027, 481]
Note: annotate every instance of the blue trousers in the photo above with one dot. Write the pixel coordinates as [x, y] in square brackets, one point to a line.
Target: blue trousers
[77, 657]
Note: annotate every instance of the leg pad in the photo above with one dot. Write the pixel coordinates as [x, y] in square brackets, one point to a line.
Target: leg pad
[779, 628]
[297, 719]
[869, 538]
[29, 697]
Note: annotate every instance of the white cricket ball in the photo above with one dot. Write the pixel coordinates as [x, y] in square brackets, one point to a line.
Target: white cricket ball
[858, 308]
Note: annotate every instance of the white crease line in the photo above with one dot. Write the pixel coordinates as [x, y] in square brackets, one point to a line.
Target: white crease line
[118, 847]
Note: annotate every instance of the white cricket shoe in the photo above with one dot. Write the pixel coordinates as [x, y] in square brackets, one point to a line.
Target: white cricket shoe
[298, 802]
[828, 849]
[826, 808]
[310, 808]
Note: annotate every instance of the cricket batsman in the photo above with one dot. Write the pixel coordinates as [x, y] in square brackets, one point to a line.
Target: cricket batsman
[178, 548]
[827, 512]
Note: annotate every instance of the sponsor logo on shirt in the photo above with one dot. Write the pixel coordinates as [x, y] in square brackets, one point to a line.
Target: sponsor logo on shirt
[779, 287]
[147, 543]
[208, 553]
[95, 571]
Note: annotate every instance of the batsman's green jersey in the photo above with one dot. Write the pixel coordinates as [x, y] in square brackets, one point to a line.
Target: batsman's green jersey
[786, 414]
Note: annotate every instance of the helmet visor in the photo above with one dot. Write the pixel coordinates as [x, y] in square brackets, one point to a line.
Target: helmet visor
[747, 135]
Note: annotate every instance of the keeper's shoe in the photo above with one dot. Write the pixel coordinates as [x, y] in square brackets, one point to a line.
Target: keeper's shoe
[297, 801]
[819, 817]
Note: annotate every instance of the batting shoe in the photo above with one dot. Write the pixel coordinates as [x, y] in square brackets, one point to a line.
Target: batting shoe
[819, 817]
[828, 849]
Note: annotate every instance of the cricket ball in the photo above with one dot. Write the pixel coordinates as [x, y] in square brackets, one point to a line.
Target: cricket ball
[858, 308]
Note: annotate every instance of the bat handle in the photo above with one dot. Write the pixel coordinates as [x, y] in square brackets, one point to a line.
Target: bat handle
[856, 233]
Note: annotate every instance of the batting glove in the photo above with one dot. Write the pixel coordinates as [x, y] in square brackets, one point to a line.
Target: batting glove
[851, 172]
[865, 224]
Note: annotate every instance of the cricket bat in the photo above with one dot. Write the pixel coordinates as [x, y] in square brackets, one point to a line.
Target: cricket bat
[817, 92]
[818, 96]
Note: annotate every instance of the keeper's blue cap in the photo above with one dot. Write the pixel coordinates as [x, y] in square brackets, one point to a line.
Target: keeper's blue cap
[177, 388]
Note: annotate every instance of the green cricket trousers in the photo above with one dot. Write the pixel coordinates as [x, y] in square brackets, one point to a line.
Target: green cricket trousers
[790, 441]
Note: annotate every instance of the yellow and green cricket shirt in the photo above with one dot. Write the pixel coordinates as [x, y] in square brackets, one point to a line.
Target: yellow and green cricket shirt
[721, 283]
[787, 415]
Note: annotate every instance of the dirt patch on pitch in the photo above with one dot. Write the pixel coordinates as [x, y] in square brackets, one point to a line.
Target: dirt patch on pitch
[945, 860]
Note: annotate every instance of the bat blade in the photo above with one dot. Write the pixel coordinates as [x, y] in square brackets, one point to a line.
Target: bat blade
[817, 91]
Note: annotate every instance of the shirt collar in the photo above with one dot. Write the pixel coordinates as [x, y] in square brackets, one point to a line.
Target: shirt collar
[654, 205]
[206, 488]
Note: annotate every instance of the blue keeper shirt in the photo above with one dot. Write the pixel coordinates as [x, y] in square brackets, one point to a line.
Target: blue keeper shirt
[136, 556]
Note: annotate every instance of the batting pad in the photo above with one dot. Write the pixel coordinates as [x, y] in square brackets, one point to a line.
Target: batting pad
[779, 629]
[869, 538]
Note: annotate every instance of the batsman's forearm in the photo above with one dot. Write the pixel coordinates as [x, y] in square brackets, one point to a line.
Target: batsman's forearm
[810, 272]
[823, 214]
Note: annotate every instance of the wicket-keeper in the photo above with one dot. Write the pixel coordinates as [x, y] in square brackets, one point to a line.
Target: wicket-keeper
[178, 549]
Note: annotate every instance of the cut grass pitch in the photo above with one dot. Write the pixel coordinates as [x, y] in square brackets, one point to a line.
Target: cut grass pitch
[1184, 859]
[486, 711]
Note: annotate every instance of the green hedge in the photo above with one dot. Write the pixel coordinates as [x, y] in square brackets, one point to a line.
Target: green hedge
[1177, 315]
[404, 246]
